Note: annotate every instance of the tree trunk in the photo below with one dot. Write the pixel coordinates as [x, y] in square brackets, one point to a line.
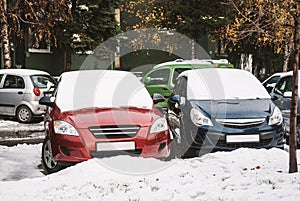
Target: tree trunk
[294, 101]
[287, 53]
[4, 34]
[68, 66]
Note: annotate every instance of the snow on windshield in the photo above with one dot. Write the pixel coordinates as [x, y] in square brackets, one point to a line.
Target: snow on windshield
[102, 89]
[222, 84]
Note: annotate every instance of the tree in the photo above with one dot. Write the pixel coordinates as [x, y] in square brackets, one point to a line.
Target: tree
[275, 22]
[93, 22]
[40, 17]
[194, 18]
[4, 34]
[255, 24]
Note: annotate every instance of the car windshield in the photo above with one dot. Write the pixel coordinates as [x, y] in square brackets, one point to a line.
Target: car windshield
[101, 89]
[273, 80]
[224, 84]
[42, 81]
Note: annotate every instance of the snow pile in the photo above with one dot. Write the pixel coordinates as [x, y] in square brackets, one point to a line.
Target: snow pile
[8, 126]
[243, 174]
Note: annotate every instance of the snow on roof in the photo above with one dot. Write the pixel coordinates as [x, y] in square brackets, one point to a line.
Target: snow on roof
[192, 62]
[102, 89]
[220, 84]
[15, 71]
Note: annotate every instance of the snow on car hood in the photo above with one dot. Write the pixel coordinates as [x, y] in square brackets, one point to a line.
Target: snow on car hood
[101, 89]
[223, 84]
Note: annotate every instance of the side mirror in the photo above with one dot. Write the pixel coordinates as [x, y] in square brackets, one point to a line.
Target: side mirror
[147, 80]
[157, 98]
[178, 99]
[273, 97]
[47, 100]
[287, 94]
[175, 98]
[182, 101]
[269, 88]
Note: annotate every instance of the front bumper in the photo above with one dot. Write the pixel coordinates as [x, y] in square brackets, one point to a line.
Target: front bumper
[214, 139]
[77, 149]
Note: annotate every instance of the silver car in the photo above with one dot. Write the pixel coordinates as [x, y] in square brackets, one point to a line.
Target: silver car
[20, 91]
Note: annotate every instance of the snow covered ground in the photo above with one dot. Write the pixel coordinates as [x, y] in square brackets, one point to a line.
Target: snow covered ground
[12, 132]
[243, 174]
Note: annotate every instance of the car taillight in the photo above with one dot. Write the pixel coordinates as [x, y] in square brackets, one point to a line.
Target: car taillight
[36, 91]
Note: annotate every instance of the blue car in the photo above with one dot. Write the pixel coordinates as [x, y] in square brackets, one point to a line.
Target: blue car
[281, 96]
[222, 109]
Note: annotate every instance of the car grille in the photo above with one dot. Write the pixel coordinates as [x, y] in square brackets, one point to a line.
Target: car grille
[121, 131]
[101, 154]
[262, 143]
[241, 123]
[199, 141]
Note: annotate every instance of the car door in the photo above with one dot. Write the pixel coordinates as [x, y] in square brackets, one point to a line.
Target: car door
[12, 92]
[281, 96]
[175, 109]
[157, 82]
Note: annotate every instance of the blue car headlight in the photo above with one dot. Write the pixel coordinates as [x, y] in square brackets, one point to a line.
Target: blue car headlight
[276, 118]
[199, 119]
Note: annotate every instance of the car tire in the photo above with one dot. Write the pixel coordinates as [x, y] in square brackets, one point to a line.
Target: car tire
[49, 164]
[24, 114]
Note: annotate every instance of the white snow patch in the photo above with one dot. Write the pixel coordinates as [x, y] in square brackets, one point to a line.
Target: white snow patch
[223, 84]
[243, 174]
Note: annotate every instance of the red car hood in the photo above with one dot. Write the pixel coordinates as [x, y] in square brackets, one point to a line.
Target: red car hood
[85, 118]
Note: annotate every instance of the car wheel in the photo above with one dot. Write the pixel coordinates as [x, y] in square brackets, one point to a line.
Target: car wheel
[49, 164]
[24, 114]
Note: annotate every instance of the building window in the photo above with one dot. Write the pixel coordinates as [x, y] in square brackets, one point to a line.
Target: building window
[36, 46]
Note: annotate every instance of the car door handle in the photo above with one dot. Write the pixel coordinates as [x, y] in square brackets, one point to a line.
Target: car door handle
[20, 92]
[165, 89]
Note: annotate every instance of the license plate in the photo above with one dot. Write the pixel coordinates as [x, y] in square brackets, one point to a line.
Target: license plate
[115, 146]
[242, 138]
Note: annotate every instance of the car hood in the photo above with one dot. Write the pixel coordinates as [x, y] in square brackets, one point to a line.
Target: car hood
[235, 109]
[85, 118]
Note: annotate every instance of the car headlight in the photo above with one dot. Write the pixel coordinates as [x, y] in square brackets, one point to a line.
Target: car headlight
[159, 125]
[64, 128]
[276, 117]
[200, 119]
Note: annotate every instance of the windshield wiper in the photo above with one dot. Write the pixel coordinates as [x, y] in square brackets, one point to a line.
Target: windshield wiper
[226, 102]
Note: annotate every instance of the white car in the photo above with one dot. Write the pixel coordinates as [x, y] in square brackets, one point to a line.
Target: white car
[20, 91]
[271, 81]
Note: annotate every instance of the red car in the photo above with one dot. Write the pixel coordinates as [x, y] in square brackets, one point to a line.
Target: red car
[99, 113]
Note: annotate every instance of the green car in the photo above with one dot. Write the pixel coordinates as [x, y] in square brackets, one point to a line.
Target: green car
[162, 77]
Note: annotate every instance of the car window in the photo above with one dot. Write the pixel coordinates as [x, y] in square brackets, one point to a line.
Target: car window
[41, 81]
[177, 71]
[1, 75]
[284, 85]
[181, 87]
[13, 81]
[272, 80]
[159, 76]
